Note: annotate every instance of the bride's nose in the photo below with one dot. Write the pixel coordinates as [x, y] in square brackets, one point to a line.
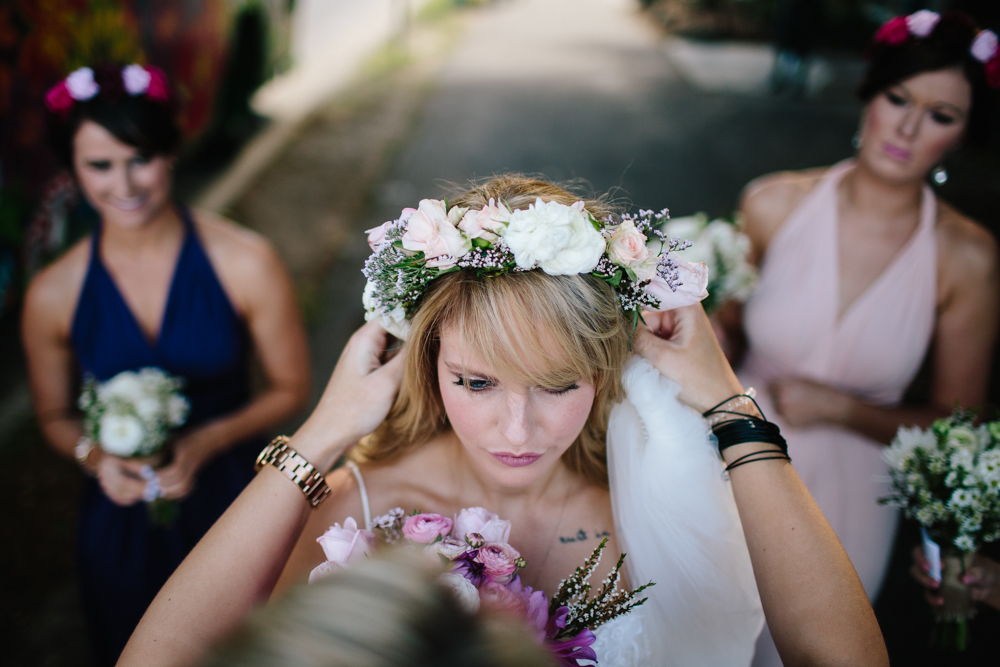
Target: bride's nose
[515, 422]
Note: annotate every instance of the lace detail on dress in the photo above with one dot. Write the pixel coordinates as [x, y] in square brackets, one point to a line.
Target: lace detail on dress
[622, 642]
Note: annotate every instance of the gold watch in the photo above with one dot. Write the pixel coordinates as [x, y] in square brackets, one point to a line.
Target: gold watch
[294, 466]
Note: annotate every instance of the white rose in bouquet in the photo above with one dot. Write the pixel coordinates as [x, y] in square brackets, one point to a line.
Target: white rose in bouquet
[121, 435]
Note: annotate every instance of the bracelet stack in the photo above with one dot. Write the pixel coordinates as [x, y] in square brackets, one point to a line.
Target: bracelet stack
[738, 420]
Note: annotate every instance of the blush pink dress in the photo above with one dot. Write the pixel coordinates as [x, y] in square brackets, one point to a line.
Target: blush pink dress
[873, 350]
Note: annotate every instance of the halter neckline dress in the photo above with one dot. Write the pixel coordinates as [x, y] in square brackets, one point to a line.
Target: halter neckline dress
[872, 350]
[123, 558]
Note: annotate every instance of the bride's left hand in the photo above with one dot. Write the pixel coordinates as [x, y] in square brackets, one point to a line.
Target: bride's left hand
[682, 345]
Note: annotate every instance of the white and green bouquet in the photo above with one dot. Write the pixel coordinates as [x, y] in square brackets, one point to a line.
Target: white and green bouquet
[947, 478]
[132, 415]
[722, 246]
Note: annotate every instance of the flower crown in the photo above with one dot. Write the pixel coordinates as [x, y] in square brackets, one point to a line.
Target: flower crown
[921, 24]
[81, 85]
[435, 239]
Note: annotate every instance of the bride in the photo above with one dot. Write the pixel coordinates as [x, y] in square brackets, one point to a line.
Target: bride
[517, 391]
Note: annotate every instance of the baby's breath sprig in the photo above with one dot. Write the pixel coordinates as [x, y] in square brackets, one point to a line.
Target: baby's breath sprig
[587, 612]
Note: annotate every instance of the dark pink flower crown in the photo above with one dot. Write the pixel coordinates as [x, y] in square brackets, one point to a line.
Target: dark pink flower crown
[82, 85]
[921, 24]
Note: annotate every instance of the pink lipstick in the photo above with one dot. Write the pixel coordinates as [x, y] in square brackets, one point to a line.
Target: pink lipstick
[896, 152]
[516, 460]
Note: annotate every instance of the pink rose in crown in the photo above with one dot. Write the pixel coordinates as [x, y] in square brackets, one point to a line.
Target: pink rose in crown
[627, 247]
[58, 99]
[992, 69]
[377, 235]
[432, 230]
[894, 31]
[486, 223]
[158, 89]
[499, 560]
[347, 544]
[691, 286]
[426, 528]
[481, 521]
[921, 23]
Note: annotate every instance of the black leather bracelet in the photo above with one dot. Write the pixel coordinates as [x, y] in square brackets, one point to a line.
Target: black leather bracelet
[749, 429]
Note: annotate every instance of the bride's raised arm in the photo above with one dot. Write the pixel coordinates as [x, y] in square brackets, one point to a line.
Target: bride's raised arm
[235, 566]
[814, 603]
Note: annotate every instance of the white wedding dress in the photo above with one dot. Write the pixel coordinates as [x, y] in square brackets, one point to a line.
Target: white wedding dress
[676, 518]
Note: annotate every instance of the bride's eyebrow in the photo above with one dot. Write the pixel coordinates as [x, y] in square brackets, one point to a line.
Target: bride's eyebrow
[460, 371]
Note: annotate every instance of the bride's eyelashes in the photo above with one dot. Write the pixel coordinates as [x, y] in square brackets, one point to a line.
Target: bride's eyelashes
[477, 385]
[560, 392]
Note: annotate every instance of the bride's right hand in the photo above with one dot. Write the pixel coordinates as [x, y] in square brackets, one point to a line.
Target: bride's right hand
[356, 400]
[681, 344]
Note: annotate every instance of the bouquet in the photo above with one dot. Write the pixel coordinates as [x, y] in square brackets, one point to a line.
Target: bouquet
[948, 479]
[131, 416]
[481, 569]
[723, 247]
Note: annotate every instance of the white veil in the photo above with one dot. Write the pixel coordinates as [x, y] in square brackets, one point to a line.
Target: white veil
[676, 518]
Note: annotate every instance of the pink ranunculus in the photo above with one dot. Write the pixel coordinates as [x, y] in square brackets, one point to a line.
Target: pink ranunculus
[58, 100]
[81, 84]
[487, 222]
[425, 528]
[431, 230]
[894, 31]
[136, 79]
[377, 235]
[984, 46]
[484, 522]
[158, 89]
[499, 560]
[496, 596]
[691, 286]
[348, 544]
[921, 23]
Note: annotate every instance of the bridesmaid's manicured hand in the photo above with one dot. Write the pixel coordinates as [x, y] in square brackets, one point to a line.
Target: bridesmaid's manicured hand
[682, 346]
[356, 400]
[119, 478]
[982, 579]
[191, 453]
[802, 402]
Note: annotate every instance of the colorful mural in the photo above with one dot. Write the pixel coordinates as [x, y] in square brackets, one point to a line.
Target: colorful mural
[41, 41]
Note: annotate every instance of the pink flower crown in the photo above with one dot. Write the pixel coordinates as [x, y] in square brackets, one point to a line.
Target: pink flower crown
[921, 24]
[81, 85]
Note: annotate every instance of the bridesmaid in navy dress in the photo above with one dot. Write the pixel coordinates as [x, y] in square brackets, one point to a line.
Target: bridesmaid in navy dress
[154, 285]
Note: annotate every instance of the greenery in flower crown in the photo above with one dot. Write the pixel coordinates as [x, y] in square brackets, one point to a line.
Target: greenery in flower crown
[948, 479]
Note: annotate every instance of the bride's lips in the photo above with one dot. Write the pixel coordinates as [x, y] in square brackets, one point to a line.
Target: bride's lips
[896, 152]
[516, 460]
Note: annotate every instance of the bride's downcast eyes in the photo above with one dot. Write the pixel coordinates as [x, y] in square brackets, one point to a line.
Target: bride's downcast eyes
[899, 99]
[895, 98]
[477, 385]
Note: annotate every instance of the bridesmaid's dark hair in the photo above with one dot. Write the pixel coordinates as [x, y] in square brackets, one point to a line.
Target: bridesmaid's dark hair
[945, 48]
[149, 126]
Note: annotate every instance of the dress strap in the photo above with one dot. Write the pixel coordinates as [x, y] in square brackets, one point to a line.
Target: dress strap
[364, 492]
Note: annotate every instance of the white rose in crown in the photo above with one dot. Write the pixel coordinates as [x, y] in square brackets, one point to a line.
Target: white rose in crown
[434, 231]
[560, 240]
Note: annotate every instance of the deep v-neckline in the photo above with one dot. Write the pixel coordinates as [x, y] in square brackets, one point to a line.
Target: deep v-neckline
[152, 344]
[840, 318]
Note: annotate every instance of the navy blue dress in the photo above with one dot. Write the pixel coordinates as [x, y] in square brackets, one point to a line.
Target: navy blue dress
[124, 558]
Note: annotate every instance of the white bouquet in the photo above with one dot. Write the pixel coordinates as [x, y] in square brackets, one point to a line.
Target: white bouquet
[132, 414]
[948, 479]
[723, 247]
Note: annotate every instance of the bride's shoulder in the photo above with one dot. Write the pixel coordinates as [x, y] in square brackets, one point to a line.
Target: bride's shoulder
[767, 201]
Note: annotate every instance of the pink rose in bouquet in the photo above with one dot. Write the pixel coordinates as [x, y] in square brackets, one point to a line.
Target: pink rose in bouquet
[426, 528]
[483, 522]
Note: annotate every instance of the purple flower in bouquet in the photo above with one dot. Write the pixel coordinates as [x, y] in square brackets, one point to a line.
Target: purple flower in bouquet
[568, 651]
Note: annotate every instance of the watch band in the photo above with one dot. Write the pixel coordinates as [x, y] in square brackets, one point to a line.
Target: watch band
[294, 466]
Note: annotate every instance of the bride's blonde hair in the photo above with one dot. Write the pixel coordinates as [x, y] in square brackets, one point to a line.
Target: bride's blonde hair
[529, 327]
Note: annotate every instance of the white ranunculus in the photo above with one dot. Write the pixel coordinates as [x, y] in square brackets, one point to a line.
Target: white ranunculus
[121, 435]
[559, 239]
[963, 437]
[464, 591]
[126, 385]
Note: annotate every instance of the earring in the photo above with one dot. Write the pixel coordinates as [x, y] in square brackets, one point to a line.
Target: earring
[939, 175]
[856, 140]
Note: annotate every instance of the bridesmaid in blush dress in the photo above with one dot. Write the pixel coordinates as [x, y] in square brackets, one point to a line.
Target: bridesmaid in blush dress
[153, 286]
[864, 274]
